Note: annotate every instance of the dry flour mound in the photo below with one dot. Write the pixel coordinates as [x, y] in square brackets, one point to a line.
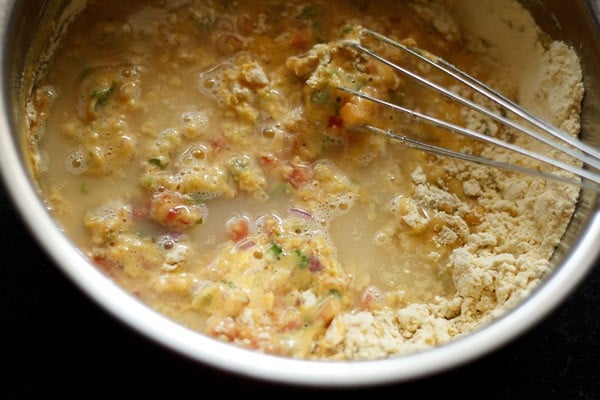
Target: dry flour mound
[523, 218]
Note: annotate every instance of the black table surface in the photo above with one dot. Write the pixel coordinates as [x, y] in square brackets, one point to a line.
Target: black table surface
[56, 341]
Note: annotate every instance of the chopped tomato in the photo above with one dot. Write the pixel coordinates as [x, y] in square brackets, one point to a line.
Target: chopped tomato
[335, 124]
[105, 263]
[217, 144]
[291, 326]
[238, 228]
[300, 41]
[268, 160]
[140, 213]
[299, 176]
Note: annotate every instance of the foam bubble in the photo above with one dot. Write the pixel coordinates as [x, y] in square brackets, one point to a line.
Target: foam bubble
[204, 196]
[333, 206]
[194, 123]
[266, 222]
[366, 158]
[202, 210]
[167, 140]
[381, 238]
[211, 82]
[132, 91]
[50, 94]
[194, 154]
[75, 163]
[395, 203]
[309, 228]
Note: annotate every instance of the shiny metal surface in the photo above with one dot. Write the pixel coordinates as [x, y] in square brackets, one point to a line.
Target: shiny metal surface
[576, 22]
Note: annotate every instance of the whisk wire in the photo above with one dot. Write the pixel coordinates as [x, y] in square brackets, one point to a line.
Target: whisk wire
[579, 150]
[477, 135]
[417, 145]
[483, 89]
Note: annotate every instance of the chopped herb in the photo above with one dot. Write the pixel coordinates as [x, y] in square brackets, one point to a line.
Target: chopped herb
[148, 182]
[199, 221]
[335, 293]
[282, 189]
[241, 163]
[197, 198]
[102, 95]
[309, 12]
[238, 165]
[275, 250]
[319, 97]
[303, 259]
[157, 162]
[228, 283]
[84, 188]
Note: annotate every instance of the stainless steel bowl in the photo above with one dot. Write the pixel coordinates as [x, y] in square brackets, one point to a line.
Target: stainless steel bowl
[577, 23]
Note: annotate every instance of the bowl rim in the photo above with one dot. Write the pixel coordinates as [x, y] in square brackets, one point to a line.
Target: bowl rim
[226, 357]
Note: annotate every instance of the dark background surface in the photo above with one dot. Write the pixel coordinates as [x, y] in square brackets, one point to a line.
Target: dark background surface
[57, 342]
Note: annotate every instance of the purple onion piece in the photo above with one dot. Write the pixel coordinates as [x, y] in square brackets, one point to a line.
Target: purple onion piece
[175, 235]
[315, 264]
[245, 244]
[301, 212]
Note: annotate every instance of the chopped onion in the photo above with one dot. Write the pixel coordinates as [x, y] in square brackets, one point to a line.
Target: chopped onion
[244, 244]
[301, 212]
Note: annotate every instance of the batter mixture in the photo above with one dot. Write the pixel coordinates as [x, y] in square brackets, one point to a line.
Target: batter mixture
[199, 153]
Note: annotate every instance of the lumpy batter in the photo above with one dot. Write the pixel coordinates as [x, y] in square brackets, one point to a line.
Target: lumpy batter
[199, 154]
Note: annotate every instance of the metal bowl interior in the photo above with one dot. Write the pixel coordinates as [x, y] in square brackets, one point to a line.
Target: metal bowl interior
[576, 23]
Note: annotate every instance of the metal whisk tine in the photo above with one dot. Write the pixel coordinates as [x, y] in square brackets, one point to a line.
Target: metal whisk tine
[486, 91]
[570, 145]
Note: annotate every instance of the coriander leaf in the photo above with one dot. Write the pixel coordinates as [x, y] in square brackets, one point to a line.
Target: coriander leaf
[102, 95]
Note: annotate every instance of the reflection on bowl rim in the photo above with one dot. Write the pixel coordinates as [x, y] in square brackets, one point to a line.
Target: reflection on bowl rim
[209, 351]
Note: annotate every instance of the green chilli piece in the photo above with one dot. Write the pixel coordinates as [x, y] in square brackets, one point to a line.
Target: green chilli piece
[157, 162]
[275, 249]
[320, 97]
[303, 259]
[281, 190]
[102, 95]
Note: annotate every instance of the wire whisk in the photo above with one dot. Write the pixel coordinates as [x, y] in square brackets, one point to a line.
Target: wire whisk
[587, 157]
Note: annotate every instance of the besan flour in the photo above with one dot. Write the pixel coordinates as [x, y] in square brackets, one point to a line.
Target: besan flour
[501, 261]
[545, 77]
